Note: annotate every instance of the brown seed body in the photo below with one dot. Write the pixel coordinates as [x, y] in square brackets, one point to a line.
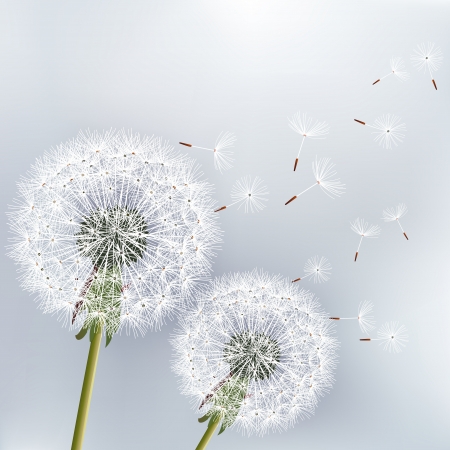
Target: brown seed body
[187, 145]
[296, 162]
[291, 200]
[406, 236]
[359, 121]
[297, 279]
[356, 256]
[434, 82]
[375, 82]
[220, 209]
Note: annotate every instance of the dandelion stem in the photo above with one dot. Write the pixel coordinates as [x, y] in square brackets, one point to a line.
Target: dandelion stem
[208, 433]
[86, 391]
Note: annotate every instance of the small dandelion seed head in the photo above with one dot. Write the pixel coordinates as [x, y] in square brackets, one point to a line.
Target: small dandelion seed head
[250, 194]
[393, 337]
[427, 57]
[318, 269]
[395, 213]
[324, 175]
[390, 131]
[223, 156]
[397, 67]
[361, 227]
[264, 352]
[307, 127]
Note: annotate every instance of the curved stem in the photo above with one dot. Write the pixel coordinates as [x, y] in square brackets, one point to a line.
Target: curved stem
[208, 433]
[86, 391]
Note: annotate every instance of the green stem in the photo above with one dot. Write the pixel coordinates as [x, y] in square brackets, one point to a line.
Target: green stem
[208, 433]
[86, 391]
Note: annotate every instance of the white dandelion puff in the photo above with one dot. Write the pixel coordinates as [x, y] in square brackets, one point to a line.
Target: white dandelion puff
[112, 231]
[257, 353]
[249, 193]
[306, 127]
[316, 268]
[429, 58]
[223, 156]
[392, 337]
[361, 227]
[324, 174]
[389, 130]
[397, 66]
[365, 320]
[391, 214]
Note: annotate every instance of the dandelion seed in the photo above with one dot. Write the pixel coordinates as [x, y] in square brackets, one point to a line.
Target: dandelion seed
[307, 128]
[323, 173]
[397, 67]
[391, 214]
[112, 232]
[316, 268]
[251, 194]
[427, 57]
[221, 151]
[389, 130]
[392, 337]
[256, 353]
[359, 226]
[365, 320]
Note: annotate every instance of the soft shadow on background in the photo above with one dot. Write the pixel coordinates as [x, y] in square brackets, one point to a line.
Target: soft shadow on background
[187, 70]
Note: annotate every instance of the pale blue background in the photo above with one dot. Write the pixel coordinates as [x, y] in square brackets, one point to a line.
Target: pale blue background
[186, 70]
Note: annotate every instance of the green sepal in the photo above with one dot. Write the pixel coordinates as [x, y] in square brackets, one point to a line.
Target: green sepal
[82, 333]
[222, 429]
[204, 418]
[108, 339]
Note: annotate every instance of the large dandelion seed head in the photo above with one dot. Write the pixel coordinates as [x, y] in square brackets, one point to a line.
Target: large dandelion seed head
[256, 350]
[427, 57]
[390, 131]
[113, 228]
[391, 214]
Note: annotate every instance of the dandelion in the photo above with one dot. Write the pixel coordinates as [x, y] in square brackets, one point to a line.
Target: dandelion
[427, 57]
[359, 226]
[397, 67]
[316, 268]
[251, 194]
[392, 337]
[256, 353]
[323, 173]
[223, 156]
[112, 231]
[306, 127]
[365, 320]
[391, 214]
[389, 130]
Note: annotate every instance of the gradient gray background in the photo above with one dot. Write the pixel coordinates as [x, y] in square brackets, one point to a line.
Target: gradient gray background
[186, 70]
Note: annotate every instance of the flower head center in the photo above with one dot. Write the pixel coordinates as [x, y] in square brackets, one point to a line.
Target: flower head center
[252, 355]
[113, 237]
